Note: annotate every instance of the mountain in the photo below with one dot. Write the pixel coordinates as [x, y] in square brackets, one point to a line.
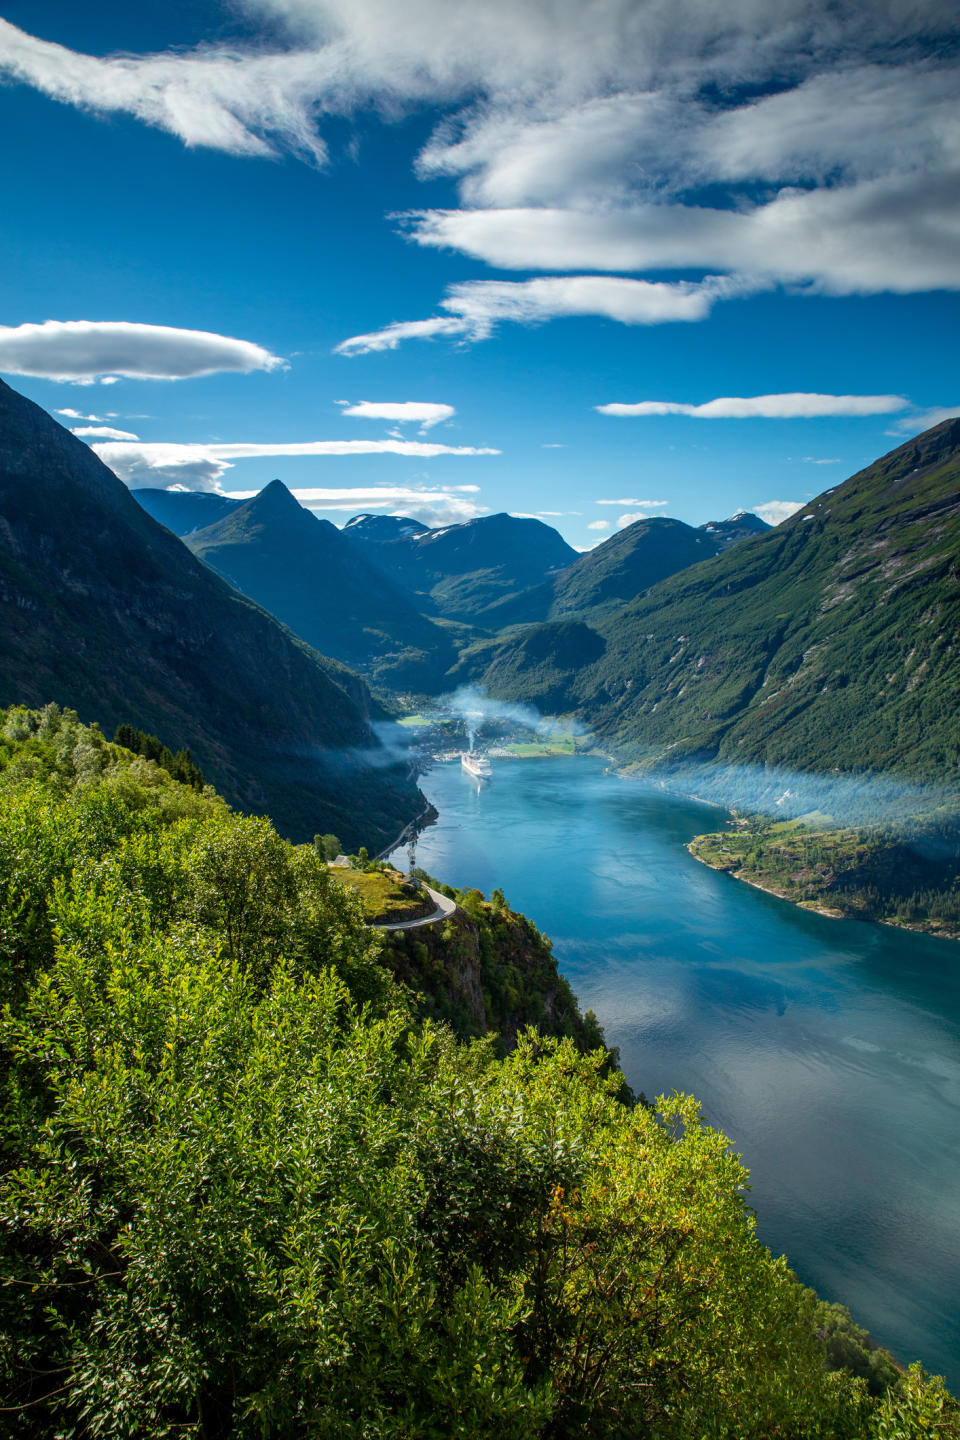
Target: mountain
[615, 571]
[827, 643]
[381, 529]
[302, 569]
[742, 526]
[103, 610]
[459, 570]
[184, 511]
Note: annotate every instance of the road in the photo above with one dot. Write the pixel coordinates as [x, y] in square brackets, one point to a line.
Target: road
[445, 908]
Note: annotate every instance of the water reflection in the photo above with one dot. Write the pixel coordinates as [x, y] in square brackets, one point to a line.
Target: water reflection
[829, 1051]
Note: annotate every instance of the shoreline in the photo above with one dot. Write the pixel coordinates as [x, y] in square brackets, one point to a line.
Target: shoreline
[412, 828]
[829, 912]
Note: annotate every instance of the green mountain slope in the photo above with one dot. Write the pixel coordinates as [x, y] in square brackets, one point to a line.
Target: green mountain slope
[106, 611]
[459, 571]
[830, 642]
[615, 571]
[303, 570]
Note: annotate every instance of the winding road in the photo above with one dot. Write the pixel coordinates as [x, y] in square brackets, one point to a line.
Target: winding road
[444, 909]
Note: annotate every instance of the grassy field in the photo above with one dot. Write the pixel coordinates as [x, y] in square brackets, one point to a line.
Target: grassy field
[387, 897]
[523, 750]
[783, 858]
[415, 722]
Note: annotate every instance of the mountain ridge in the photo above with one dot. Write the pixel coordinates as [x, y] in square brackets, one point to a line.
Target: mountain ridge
[457, 571]
[300, 567]
[104, 610]
[184, 511]
[615, 571]
[828, 642]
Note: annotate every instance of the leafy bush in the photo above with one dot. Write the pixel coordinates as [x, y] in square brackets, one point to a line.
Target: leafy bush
[244, 1192]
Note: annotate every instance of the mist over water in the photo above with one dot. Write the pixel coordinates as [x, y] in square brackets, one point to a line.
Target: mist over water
[784, 794]
[829, 1051]
[474, 708]
[775, 790]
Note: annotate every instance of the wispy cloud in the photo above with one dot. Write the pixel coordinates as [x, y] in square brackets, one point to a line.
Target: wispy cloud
[243, 101]
[203, 466]
[478, 306]
[431, 504]
[896, 234]
[924, 420]
[83, 350]
[583, 137]
[599, 525]
[771, 407]
[404, 412]
[102, 432]
[632, 500]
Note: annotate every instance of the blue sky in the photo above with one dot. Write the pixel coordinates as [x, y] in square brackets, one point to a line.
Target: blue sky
[473, 227]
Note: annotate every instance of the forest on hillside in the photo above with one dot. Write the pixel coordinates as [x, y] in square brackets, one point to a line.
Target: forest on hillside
[247, 1189]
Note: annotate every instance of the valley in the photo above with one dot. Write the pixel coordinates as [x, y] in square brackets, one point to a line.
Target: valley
[228, 661]
[479, 741]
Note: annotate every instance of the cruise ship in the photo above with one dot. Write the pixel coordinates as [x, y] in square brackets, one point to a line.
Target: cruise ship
[476, 764]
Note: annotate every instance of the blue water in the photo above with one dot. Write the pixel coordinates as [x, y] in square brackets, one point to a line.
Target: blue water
[828, 1051]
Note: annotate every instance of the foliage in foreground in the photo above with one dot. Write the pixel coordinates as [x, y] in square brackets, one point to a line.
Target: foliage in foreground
[243, 1193]
[180, 766]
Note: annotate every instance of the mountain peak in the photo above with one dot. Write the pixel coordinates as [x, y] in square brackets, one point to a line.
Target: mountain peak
[274, 497]
[921, 452]
[743, 525]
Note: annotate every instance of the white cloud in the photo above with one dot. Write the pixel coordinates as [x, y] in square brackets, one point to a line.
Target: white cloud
[403, 411]
[77, 415]
[897, 233]
[582, 134]
[393, 335]
[780, 407]
[432, 505]
[226, 100]
[203, 466]
[82, 350]
[537, 66]
[922, 420]
[102, 432]
[631, 500]
[775, 511]
[832, 125]
[631, 516]
[599, 525]
[339, 497]
[478, 306]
